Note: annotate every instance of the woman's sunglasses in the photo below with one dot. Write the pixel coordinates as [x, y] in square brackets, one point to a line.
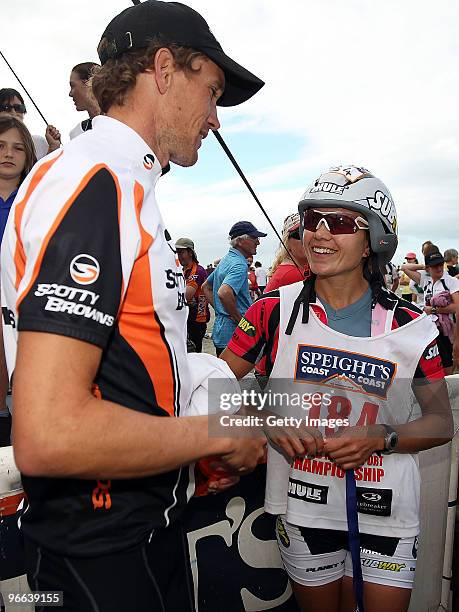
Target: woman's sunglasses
[336, 223]
[7, 108]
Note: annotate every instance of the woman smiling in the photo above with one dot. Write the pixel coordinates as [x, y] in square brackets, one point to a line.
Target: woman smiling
[347, 498]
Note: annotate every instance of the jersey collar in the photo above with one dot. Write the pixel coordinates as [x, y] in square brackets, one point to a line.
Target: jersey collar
[130, 144]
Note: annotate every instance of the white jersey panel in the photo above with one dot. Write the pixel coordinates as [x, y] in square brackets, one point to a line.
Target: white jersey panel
[363, 380]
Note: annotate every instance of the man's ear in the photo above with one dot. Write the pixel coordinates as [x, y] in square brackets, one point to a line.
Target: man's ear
[163, 67]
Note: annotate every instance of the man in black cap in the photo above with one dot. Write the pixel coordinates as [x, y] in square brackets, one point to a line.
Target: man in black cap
[227, 288]
[98, 298]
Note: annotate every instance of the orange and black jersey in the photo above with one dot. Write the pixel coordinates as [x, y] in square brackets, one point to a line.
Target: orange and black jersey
[258, 332]
[86, 255]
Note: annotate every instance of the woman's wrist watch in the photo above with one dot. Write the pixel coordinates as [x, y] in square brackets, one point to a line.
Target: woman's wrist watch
[433, 310]
[390, 440]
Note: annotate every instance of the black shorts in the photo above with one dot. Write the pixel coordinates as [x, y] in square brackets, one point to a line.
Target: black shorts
[154, 576]
[445, 348]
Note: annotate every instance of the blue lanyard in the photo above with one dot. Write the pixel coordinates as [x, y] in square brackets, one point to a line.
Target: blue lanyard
[354, 537]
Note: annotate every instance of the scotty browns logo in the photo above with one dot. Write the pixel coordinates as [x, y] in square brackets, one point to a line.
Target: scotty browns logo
[148, 161]
[84, 269]
[344, 370]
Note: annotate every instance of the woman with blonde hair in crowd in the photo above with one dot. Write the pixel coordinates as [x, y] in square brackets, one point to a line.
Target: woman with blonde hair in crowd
[17, 156]
[289, 266]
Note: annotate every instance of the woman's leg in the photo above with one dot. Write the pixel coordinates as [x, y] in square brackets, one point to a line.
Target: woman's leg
[314, 562]
[377, 597]
[388, 568]
[326, 597]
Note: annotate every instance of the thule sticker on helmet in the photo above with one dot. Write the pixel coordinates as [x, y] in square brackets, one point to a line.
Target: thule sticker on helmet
[327, 187]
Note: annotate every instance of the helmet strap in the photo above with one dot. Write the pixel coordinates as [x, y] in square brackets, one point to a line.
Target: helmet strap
[304, 298]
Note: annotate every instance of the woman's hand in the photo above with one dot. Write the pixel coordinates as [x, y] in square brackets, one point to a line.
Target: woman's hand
[353, 445]
[295, 440]
[53, 138]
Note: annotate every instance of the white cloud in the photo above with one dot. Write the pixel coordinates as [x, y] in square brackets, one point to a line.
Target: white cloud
[369, 82]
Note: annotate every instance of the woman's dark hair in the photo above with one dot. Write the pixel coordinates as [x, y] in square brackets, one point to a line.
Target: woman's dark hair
[9, 123]
[7, 94]
[85, 70]
[373, 275]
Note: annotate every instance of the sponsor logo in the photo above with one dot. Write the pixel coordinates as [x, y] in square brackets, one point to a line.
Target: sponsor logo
[377, 502]
[432, 353]
[327, 187]
[8, 317]
[101, 495]
[282, 533]
[371, 496]
[84, 269]
[382, 203]
[344, 370]
[247, 327]
[79, 302]
[414, 550]
[316, 494]
[388, 566]
[321, 568]
[148, 161]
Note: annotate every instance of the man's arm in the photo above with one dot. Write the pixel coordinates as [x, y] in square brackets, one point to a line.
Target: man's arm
[412, 271]
[61, 429]
[228, 300]
[208, 292]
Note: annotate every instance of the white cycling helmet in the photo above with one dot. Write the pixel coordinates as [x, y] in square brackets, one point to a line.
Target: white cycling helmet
[355, 188]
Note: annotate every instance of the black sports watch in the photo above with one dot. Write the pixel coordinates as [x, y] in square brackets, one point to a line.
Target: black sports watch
[390, 440]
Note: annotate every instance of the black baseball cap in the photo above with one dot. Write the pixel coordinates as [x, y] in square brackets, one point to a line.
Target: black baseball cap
[434, 259]
[245, 227]
[176, 23]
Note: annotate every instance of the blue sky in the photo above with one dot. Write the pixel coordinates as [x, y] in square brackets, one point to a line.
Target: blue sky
[374, 83]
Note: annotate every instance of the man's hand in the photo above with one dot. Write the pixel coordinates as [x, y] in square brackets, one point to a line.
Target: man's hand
[353, 445]
[244, 456]
[53, 138]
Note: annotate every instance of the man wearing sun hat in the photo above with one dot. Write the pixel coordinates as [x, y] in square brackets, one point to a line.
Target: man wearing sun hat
[227, 288]
[98, 299]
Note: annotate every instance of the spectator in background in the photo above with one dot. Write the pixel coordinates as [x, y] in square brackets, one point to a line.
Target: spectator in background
[17, 156]
[285, 270]
[451, 256]
[441, 293]
[426, 246]
[261, 275]
[82, 96]
[195, 276]
[227, 288]
[12, 105]
[254, 290]
[406, 289]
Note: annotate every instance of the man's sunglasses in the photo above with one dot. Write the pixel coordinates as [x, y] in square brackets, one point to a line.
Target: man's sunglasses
[7, 108]
[335, 223]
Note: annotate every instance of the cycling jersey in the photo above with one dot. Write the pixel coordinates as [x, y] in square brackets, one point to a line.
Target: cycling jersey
[258, 333]
[195, 276]
[86, 255]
